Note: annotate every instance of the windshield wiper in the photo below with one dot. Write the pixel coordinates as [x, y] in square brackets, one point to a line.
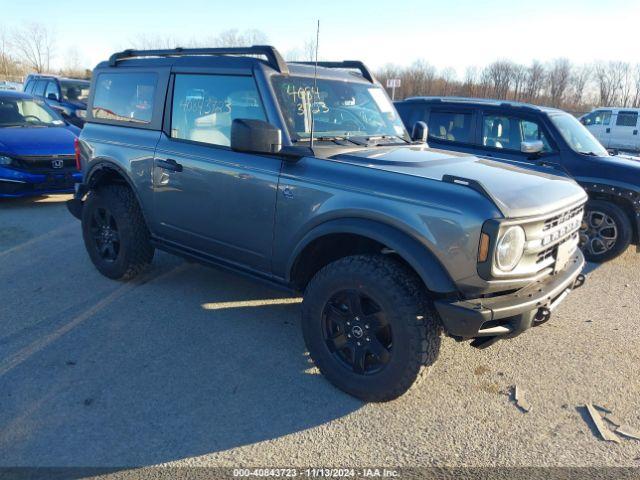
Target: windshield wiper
[374, 140]
[338, 140]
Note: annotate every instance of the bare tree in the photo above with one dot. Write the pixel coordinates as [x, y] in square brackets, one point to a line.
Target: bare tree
[579, 80]
[558, 80]
[418, 78]
[470, 82]
[519, 77]
[636, 98]
[305, 54]
[34, 44]
[448, 78]
[500, 75]
[154, 42]
[235, 38]
[534, 81]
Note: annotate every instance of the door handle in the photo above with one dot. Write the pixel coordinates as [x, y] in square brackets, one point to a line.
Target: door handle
[170, 164]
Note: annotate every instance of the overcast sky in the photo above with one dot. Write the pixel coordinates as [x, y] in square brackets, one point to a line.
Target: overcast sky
[445, 33]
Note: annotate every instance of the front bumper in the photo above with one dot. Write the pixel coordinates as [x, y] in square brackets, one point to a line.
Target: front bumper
[502, 316]
[19, 183]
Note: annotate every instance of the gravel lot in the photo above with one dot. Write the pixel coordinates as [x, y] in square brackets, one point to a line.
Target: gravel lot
[195, 366]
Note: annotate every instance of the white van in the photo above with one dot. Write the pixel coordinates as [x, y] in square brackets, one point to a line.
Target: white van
[616, 128]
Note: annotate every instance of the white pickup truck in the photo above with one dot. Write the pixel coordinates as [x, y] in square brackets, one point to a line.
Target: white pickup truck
[615, 128]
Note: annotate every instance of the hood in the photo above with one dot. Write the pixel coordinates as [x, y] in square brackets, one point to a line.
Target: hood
[516, 191]
[36, 141]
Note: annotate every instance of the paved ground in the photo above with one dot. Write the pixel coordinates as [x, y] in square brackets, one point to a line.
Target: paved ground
[196, 366]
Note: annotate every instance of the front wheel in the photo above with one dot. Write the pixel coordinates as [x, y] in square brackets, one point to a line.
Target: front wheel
[606, 231]
[368, 326]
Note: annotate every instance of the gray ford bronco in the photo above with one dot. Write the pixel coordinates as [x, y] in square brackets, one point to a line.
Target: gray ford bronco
[304, 176]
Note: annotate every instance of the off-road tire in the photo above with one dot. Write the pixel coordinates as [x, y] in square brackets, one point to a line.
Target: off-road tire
[135, 249]
[623, 226]
[416, 328]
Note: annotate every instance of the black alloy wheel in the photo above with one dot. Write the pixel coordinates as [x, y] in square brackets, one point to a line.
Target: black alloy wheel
[104, 231]
[357, 333]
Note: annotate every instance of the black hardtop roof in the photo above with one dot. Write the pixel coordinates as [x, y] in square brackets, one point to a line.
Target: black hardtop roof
[234, 57]
[474, 102]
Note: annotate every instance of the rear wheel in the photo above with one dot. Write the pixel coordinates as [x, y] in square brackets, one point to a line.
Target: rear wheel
[606, 231]
[115, 233]
[368, 326]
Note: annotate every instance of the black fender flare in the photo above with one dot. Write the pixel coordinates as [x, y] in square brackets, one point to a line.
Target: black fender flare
[76, 204]
[419, 256]
[619, 190]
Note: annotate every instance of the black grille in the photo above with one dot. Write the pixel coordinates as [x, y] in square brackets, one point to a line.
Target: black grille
[44, 163]
[549, 252]
[561, 218]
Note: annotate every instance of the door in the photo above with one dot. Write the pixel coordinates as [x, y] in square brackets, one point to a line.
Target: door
[599, 124]
[503, 134]
[206, 196]
[624, 134]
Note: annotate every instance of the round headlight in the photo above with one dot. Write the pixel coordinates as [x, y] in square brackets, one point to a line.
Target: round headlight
[5, 160]
[510, 248]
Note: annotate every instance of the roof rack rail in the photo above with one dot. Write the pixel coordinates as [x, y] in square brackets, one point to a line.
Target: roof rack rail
[274, 58]
[354, 64]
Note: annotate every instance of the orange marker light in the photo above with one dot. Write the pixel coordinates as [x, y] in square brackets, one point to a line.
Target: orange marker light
[483, 248]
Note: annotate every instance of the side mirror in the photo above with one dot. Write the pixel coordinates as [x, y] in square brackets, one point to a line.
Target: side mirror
[53, 96]
[256, 136]
[532, 147]
[420, 132]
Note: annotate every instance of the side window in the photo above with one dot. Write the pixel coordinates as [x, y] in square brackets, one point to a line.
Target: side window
[38, 89]
[627, 119]
[125, 97]
[500, 132]
[531, 131]
[599, 117]
[451, 126]
[51, 87]
[29, 86]
[204, 106]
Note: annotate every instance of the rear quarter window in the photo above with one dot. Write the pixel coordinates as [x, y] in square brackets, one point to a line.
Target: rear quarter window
[125, 97]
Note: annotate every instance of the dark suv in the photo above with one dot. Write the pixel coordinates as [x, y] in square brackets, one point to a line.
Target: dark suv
[66, 95]
[307, 178]
[542, 138]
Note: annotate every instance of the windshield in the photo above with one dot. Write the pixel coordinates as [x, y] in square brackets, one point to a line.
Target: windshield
[340, 109]
[75, 91]
[25, 112]
[579, 138]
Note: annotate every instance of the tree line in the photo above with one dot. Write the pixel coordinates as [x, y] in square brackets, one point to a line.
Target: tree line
[558, 83]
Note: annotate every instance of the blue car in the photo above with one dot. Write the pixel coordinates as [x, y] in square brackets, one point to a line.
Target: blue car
[37, 148]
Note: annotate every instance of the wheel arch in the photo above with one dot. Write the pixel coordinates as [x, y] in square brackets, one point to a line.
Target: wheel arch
[335, 239]
[628, 199]
[104, 171]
